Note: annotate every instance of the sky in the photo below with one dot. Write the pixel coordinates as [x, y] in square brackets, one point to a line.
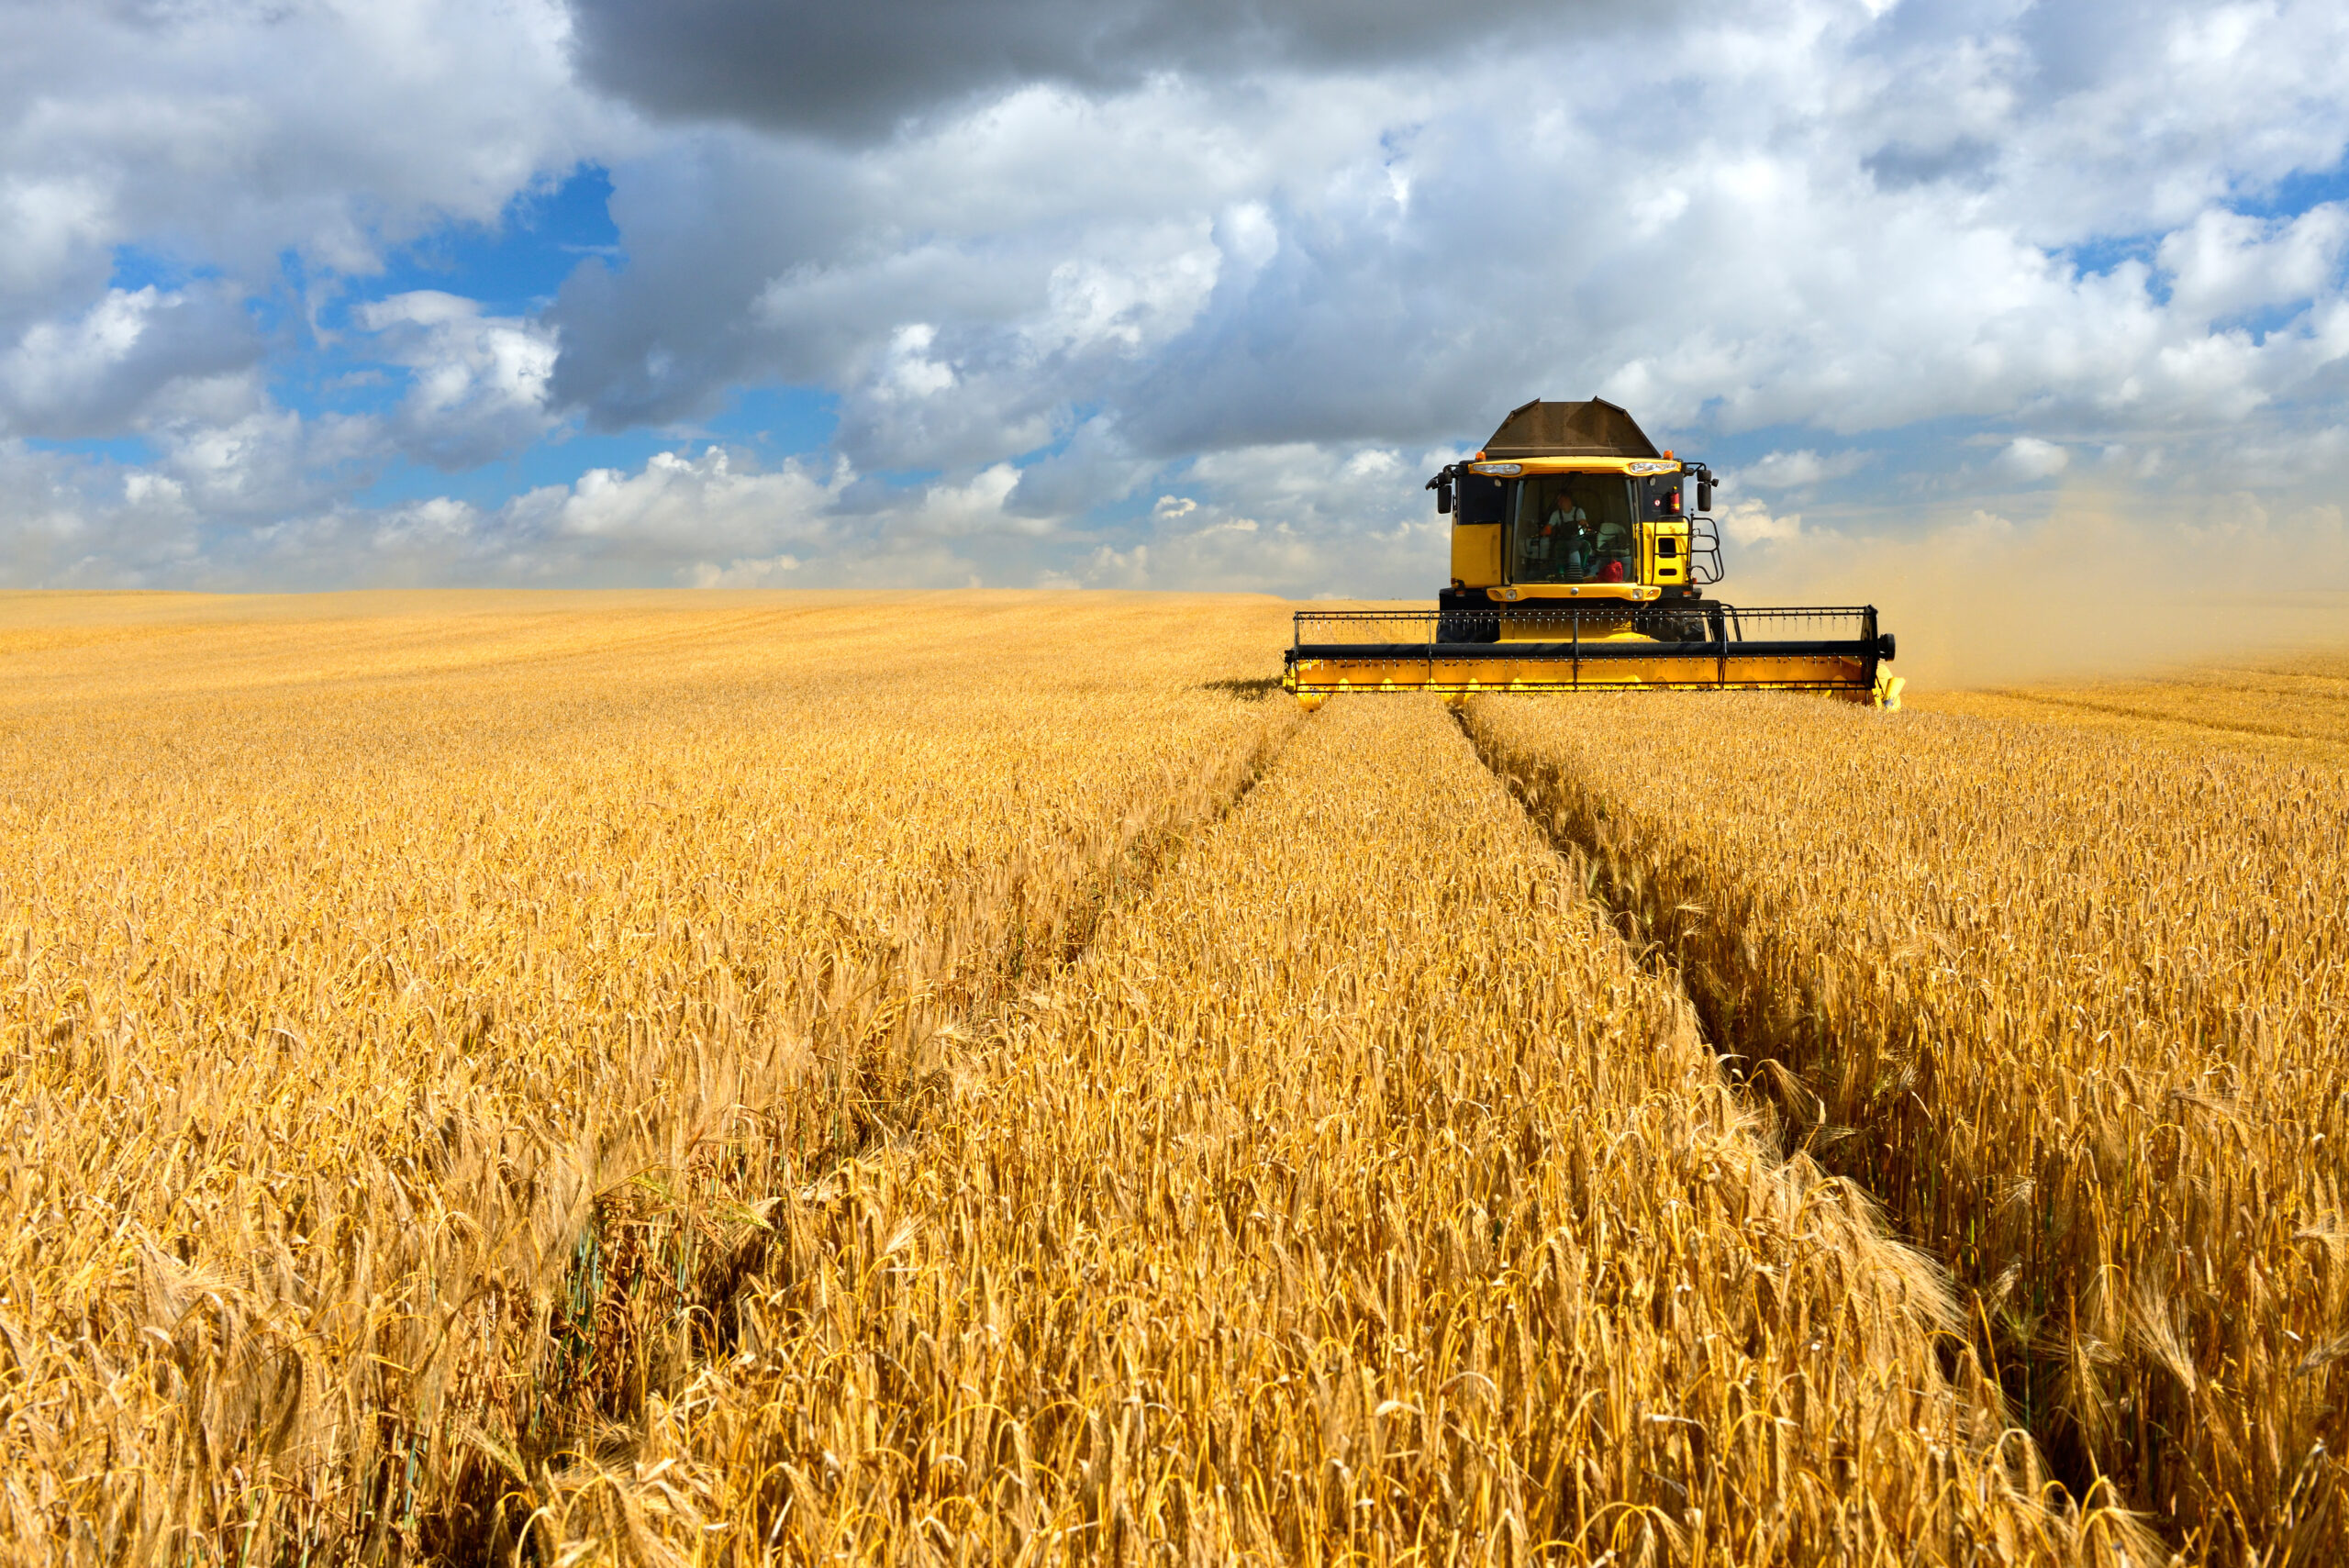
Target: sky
[1159, 293]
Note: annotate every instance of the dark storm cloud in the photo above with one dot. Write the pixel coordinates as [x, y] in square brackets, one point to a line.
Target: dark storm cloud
[854, 72]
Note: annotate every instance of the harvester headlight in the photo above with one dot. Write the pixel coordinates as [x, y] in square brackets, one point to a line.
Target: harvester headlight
[1496, 467]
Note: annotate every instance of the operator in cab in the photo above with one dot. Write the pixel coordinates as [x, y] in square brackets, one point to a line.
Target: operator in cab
[1566, 530]
[1566, 546]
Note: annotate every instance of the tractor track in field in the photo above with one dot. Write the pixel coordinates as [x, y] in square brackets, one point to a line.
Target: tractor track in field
[891, 1122]
[1122, 883]
[1127, 879]
[1645, 926]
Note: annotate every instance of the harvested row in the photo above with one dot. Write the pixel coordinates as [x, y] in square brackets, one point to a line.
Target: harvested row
[2289, 708]
[2072, 1007]
[365, 981]
[1355, 1196]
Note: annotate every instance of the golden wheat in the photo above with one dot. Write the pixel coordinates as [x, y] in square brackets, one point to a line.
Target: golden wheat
[2293, 707]
[356, 958]
[2073, 1006]
[1355, 1197]
[735, 1079]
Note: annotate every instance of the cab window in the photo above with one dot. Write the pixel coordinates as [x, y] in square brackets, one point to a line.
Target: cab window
[1481, 499]
[1575, 528]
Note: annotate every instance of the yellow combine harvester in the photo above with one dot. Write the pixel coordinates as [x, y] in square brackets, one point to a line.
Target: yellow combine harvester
[1575, 565]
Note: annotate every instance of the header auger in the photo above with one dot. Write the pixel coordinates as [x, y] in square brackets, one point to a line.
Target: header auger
[1578, 566]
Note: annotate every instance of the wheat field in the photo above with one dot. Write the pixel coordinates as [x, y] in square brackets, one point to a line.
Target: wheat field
[2289, 706]
[781, 1078]
[359, 959]
[2071, 1003]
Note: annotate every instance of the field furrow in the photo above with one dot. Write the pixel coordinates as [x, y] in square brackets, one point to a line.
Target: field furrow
[1357, 1196]
[2072, 1006]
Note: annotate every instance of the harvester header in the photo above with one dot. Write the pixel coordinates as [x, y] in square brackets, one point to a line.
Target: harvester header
[1578, 564]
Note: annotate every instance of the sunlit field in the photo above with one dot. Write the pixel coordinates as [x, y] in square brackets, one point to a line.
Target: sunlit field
[2070, 1002]
[979, 1077]
[2292, 708]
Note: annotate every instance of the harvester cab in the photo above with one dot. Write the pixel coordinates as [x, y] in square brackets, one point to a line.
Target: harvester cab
[1577, 565]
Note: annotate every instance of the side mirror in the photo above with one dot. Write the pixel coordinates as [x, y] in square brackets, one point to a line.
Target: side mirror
[1705, 490]
[1442, 485]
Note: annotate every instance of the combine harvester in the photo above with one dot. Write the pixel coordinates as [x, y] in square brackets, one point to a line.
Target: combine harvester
[1575, 566]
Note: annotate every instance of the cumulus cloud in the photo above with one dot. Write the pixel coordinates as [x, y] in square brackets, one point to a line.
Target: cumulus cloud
[58, 530]
[241, 457]
[2028, 458]
[2224, 262]
[1799, 470]
[715, 519]
[1094, 466]
[1049, 261]
[679, 503]
[231, 134]
[97, 371]
[1752, 522]
[1299, 519]
[1807, 246]
[185, 190]
[1039, 251]
[478, 383]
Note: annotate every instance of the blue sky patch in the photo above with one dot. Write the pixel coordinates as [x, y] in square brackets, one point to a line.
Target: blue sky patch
[516, 268]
